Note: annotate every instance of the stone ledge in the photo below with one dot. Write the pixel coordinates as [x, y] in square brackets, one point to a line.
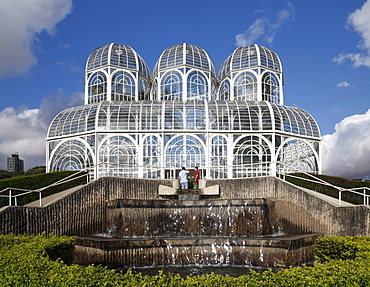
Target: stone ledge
[166, 190]
[211, 190]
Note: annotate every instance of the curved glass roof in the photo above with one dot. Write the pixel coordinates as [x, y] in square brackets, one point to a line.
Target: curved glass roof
[121, 56]
[250, 56]
[174, 115]
[184, 54]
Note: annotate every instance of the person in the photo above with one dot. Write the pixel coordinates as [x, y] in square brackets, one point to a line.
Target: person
[196, 178]
[183, 178]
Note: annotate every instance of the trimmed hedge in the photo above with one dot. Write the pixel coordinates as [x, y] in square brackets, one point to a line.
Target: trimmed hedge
[33, 182]
[342, 248]
[327, 190]
[27, 261]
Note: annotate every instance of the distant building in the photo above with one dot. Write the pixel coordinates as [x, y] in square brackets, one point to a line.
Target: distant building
[14, 163]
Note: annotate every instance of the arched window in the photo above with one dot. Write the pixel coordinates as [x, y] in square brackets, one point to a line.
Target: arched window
[270, 88]
[252, 157]
[97, 87]
[224, 91]
[171, 87]
[214, 87]
[123, 87]
[71, 155]
[118, 153]
[154, 90]
[245, 87]
[151, 157]
[186, 151]
[296, 155]
[218, 158]
[197, 86]
[143, 90]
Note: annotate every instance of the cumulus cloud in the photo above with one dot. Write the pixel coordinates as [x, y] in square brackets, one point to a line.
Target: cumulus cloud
[360, 22]
[21, 21]
[265, 27]
[346, 152]
[343, 85]
[24, 130]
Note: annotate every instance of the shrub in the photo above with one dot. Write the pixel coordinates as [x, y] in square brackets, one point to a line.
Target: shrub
[27, 261]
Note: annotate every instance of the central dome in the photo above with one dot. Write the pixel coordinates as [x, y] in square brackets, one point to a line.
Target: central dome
[184, 72]
[184, 54]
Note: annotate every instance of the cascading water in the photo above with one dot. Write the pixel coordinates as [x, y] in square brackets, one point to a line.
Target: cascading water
[232, 232]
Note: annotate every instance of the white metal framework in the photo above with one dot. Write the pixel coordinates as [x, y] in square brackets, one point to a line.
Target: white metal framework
[134, 125]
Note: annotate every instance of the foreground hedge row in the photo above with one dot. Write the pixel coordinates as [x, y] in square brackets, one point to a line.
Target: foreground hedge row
[45, 261]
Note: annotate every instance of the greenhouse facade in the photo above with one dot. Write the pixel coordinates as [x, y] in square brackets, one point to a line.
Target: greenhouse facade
[148, 125]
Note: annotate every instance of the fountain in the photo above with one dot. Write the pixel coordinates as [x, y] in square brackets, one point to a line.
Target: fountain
[191, 230]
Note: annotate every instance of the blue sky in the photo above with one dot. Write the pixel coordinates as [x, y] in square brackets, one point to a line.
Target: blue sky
[324, 47]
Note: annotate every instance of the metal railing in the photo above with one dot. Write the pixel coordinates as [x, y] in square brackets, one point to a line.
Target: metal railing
[12, 196]
[365, 190]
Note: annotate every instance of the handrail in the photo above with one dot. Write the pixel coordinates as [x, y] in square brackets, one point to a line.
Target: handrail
[39, 190]
[11, 196]
[260, 166]
[366, 197]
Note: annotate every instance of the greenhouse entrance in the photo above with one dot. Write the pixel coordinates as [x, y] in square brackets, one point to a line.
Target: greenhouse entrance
[183, 151]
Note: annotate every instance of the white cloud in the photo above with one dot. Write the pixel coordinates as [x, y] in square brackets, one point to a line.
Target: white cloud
[21, 21]
[343, 85]
[65, 46]
[24, 130]
[264, 27]
[346, 152]
[360, 21]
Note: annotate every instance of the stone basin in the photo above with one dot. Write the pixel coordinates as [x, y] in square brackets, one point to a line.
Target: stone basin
[270, 251]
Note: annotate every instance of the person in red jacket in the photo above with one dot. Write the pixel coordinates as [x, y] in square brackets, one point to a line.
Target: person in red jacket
[196, 177]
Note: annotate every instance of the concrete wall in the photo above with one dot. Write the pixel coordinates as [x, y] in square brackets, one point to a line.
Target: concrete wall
[298, 209]
[80, 213]
[83, 212]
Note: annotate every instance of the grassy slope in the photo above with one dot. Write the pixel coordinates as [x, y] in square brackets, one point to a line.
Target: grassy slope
[33, 182]
[337, 181]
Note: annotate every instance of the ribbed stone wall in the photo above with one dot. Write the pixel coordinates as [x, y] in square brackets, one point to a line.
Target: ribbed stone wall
[83, 212]
[80, 213]
[297, 209]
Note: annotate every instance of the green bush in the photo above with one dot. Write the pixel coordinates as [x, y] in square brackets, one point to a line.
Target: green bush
[36, 170]
[27, 261]
[33, 182]
[341, 248]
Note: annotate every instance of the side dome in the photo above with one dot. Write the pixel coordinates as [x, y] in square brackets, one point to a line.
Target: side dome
[184, 54]
[120, 56]
[250, 56]
[251, 73]
[116, 73]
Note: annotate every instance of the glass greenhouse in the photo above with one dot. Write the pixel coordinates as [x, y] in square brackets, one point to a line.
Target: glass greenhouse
[137, 124]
